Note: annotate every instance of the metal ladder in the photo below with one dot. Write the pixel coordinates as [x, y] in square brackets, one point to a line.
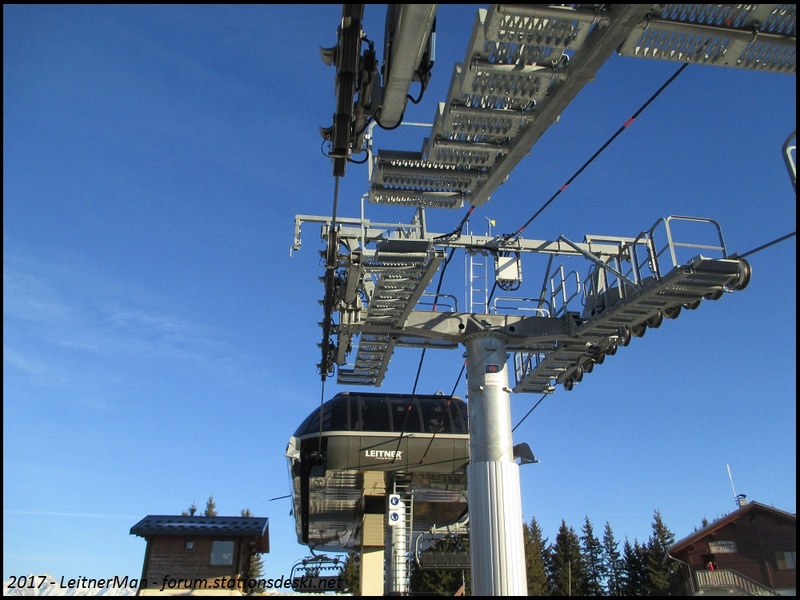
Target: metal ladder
[399, 546]
[478, 282]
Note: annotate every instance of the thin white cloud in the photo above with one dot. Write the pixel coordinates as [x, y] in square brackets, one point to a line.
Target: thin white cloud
[19, 360]
[53, 513]
[66, 307]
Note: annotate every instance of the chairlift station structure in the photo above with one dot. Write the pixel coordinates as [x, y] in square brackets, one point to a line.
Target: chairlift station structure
[524, 64]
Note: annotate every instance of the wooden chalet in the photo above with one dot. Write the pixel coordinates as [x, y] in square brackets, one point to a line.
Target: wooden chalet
[198, 555]
[751, 551]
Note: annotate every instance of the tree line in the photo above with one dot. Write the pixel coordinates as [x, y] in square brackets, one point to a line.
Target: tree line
[583, 564]
[574, 564]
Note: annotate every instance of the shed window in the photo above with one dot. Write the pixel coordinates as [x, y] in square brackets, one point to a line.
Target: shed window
[222, 553]
[188, 545]
[786, 561]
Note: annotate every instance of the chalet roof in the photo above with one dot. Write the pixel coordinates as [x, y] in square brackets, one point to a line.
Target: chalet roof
[729, 518]
[200, 525]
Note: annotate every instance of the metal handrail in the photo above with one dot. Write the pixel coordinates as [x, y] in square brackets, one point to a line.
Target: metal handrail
[538, 310]
[672, 244]
[790, 157]
[437, 303]
[731, 578]
[561, 289]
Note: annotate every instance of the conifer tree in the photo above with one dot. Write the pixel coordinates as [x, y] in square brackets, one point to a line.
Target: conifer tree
[633, 574]
[440, 581]
[256, 565]
[592, 553]
[662, 577]
[535, 558]
[211, 507]
[191, 511]
[350, 574]
[566, 569]
[612, 562]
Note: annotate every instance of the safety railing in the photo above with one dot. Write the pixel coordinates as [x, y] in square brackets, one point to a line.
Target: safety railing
[560, 295]
[728, 578]
[650, 255]
[525, 305]
[439, 302]
[680, 251]
[790, 157]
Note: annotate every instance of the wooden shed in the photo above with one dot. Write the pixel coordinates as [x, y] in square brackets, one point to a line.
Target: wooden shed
[198, 555]
[751, 551]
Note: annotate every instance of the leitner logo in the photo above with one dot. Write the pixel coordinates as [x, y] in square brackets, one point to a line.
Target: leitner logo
[384, 454]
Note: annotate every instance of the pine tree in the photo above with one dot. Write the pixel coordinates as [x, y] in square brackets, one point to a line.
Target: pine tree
[612, 562]
[565, 569]
[662, 577]
[350, 574]
[440, 581]
[592, 554]
[535, 558]
[633, 569]
[256, 565]
[191, 512]
[211, 507]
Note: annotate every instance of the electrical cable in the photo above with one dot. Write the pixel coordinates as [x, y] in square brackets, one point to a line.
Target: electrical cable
[457, 231]
[358, 162]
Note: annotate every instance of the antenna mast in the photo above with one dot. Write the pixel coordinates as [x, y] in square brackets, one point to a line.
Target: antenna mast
[731, 479]
[740, 499]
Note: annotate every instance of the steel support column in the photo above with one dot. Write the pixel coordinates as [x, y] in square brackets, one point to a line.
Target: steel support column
[497, 554]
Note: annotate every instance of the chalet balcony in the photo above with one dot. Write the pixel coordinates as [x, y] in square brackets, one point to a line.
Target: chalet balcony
[727, 582]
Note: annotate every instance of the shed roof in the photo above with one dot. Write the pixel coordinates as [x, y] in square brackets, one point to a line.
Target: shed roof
[729, 518]
[201, 525]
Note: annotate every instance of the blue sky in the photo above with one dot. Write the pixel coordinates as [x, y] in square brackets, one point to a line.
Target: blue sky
[160, 344]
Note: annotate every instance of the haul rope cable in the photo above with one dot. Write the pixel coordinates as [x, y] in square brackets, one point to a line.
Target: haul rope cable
[419, 368]
[767, 245]
[624, 126]
[763, 247]
[457, 230]
[563, 187]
